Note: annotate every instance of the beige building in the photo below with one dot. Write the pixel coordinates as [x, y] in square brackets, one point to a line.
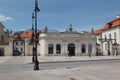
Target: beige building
[9, 43]
[4, 41]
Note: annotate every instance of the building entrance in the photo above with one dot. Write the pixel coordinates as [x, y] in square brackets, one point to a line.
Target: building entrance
[2, 52]
[71, 49]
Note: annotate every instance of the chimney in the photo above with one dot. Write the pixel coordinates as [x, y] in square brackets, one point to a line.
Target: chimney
[118, 16]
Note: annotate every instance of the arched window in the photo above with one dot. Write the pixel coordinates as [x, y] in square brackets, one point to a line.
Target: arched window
[83, 48]
[50, 49]
[58, 48]
[89, 48]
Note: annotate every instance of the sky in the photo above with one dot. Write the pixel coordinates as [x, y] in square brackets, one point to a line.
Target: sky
[84, 15]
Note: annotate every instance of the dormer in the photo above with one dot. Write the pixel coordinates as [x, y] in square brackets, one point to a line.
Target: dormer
[109, 25]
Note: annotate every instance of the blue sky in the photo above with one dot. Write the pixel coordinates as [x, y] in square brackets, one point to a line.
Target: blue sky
[58, 14]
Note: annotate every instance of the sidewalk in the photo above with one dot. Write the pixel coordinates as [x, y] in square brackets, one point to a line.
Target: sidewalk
[75, 58]
[28, 59]
[97, 72]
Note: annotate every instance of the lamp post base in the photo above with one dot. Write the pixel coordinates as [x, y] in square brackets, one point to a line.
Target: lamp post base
[36, 66]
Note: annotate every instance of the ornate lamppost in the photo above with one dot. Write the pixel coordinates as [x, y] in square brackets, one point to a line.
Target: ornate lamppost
[33, 38]
[36, 63]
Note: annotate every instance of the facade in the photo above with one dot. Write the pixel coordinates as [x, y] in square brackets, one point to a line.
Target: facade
[4, 35]
[69, 43]
[108, 38]
[21, 43]
[50, 43]
[4, 41]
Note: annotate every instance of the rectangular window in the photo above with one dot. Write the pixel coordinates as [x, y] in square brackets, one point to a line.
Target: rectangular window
[21, 43]
[50, 49]
[2, 38]
[16, 49]
[115, 35]
[16, 43]
[83, 48]
[89, 48]
[58, 48]
[109, 36]
[21, 49]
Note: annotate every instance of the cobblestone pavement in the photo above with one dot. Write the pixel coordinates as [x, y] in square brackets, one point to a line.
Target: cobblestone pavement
[93, 72]
[86, 73]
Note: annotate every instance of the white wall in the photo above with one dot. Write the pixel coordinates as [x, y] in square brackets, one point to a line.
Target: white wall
[64, 41]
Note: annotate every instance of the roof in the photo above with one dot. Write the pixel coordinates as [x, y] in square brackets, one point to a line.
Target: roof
[112, 24]
[22, 35]
[97, 32]
[18, 32]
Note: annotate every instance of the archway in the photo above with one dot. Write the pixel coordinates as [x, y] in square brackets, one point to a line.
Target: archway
[71, 49]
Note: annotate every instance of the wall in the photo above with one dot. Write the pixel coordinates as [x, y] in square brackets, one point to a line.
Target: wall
[64, 40]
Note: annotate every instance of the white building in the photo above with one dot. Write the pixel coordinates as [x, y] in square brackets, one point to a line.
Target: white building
[108, 38]
[66, 43]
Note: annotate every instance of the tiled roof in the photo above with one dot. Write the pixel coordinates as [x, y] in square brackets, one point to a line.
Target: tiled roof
[114, 23]
[111, 24]
[99, 31]
[23, 35]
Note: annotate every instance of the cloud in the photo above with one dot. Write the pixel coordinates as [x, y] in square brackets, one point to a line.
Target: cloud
[5, 18]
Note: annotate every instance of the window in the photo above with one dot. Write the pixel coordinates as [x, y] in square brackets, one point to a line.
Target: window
[109, 36]
[21, 43]
[50, 49]
[16, 43]
[58, 48]
[105, 37]
[110, 25]
[16, 49]
[83, 48]
[21, 49]
[115, 35]
[89, 48]
[2, 38]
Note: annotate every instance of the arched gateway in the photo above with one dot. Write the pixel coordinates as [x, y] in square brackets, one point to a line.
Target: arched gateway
[71, 49]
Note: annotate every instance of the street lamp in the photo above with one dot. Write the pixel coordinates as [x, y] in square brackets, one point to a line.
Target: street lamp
[33, 38]
[36, 66]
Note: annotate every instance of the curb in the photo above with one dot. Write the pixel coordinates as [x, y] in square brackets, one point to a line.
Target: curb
[78, 61]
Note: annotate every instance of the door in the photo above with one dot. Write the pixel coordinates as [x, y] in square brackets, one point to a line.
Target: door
[71, 49]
